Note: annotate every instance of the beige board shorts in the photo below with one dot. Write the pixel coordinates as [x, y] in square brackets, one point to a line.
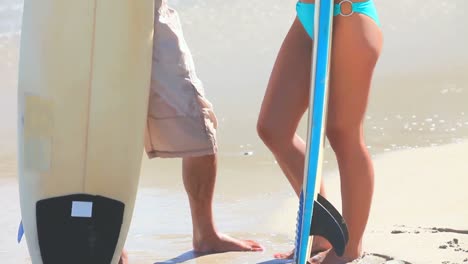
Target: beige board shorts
[181, 121]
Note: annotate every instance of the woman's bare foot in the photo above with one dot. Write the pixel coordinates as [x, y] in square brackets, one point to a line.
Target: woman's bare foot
[320, 244]
[223, 243]
[286, 255]
[330, 257]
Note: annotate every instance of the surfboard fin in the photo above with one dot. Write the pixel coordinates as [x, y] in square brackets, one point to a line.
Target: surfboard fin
[327, 222]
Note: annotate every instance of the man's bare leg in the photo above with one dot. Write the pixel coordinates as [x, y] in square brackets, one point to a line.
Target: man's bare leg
[199, 175]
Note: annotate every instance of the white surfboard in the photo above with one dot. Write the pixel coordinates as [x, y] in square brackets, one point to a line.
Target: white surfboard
[83, 91]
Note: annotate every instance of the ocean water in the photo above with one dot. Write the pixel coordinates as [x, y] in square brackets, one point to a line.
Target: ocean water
[419, 90]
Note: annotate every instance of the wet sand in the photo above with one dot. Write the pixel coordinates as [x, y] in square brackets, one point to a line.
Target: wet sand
[419, 212]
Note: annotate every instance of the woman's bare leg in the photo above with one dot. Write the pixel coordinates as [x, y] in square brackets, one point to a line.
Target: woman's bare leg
[286, 100]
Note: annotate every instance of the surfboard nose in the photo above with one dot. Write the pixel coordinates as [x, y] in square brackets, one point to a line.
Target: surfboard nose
[327, 222]
[78, 228]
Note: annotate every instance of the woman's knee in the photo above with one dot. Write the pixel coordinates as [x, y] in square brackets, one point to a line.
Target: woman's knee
[272, 134]
[265, 131]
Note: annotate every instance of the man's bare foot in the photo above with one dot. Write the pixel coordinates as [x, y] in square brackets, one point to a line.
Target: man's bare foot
[123, 257]
[320, 244]
[223, 243]
[219, 244]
